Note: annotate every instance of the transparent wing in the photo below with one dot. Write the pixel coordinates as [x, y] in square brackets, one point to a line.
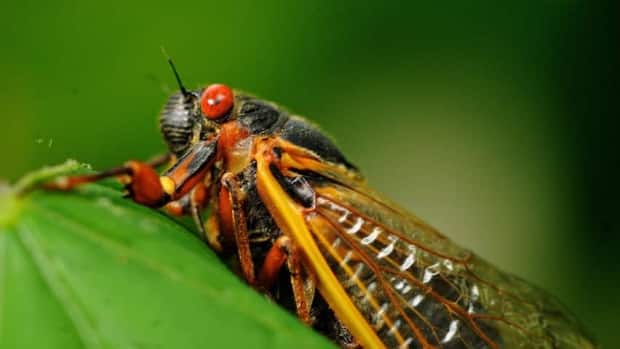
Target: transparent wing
[419, 289]
[392, 279]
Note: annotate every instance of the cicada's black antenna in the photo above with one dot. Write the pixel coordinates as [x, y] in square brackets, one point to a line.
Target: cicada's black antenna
[184, 91]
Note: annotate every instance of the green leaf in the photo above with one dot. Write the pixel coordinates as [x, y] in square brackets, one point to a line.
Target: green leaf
[88, 269]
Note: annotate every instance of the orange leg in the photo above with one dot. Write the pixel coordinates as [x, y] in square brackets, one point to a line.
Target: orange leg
[192, 203]
[198, 200]
[143, 184]
[282, 251]
[275, 259]
[303, 290]
[239, 228]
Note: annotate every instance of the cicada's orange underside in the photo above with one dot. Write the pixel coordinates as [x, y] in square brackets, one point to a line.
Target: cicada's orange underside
[284, 198]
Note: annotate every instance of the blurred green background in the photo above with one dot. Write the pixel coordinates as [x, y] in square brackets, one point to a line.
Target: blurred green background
[494, 122]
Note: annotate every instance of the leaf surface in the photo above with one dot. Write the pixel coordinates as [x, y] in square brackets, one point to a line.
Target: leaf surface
[88, 269]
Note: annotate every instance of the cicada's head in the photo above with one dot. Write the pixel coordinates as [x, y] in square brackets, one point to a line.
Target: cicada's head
[190, 117]
[228, 120]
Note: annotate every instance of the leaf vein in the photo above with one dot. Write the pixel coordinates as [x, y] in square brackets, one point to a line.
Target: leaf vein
[53, 275]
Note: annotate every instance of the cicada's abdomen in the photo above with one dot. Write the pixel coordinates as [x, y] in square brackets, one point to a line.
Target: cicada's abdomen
[178, 121]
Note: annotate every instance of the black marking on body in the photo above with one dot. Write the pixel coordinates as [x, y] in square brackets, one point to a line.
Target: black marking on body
[260, 225]
[260, 117]
[307, 136]
[297, 187]
[200, 155]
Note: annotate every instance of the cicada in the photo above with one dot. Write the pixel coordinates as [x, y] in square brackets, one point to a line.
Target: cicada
[300, 225]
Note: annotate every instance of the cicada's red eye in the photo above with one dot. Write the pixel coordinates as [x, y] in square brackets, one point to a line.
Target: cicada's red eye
[216, 101]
